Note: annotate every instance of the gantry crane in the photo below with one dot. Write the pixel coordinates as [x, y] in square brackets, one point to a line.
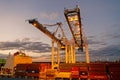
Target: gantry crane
[79, 41]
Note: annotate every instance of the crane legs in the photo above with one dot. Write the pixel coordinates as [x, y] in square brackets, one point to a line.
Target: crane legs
[70, 54]
[53, 54]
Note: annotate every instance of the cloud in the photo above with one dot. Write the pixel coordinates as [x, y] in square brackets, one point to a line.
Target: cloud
[25, 39]
[105, 46]
[109, 50]
[25, 44]
[112, 32]
[95, 44]
[49, 16]
[37, 47]
[92, 42]
[9, 45]
[104, 52]
[111, 53]
[115, 35]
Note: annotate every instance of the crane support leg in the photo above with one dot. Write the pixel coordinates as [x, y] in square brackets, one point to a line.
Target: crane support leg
[58, 53]
[73, 54]
[70, 54]
[52, 54]
[87, 54]
[66, 52]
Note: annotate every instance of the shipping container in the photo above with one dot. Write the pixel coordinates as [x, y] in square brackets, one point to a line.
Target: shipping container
[20, 70]
[33, 70]
[65, 67]
[97, 71]
[114, 71]
[75, 72]
[78, 70]
[37, 70]
[83, 71]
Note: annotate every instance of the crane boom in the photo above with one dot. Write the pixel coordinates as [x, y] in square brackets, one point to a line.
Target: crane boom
[44, 30]
[74, 22]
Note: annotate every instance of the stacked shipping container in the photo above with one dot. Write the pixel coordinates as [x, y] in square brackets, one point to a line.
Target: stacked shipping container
[114, 71]
[79, 71]
[97, 71]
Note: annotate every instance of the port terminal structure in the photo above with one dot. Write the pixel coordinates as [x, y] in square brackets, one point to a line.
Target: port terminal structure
[79, 41]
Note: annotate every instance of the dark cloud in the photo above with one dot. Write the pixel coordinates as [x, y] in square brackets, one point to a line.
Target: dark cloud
[92, 41]
[9, 45]
[112, 32]
[112, 35]
[111, 52]
[25, 44]
[37, 47]
[108, 51]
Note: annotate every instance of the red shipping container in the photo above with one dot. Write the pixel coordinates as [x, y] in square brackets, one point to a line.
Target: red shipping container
[75, 72]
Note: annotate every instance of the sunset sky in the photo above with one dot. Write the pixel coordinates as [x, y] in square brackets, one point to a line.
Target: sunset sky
[100, 21]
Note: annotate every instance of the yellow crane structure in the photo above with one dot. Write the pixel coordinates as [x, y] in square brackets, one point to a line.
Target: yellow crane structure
[60, 42]
[78, 41]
